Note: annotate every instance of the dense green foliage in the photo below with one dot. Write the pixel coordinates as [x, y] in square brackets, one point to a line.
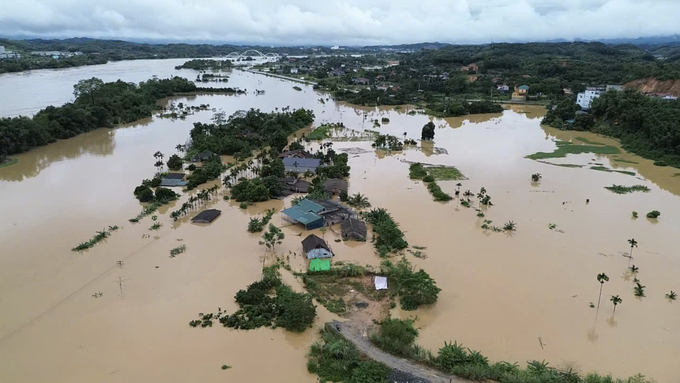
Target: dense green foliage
[415, 288]
[396, 336]
[267, 302]
[388, 238]
[388, 142]
[334, 359]
[175, 162]
[256, 189]
[211, 169]
[204, 64]
[417, 171]
[97, 105]
[620, 189]
[245, 131]
[646, 126]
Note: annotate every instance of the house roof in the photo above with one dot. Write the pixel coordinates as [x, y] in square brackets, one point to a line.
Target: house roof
[175, 176]
[309, 206]
[352, 225]
[335, 183]
[206, 216]
[301, 162]
[524, 87]
[314, 242]
[172, 182]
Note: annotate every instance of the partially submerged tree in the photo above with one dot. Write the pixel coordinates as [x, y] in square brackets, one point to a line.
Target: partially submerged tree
[272, 237]
[88, 88]
[616, 300]
[633, 243]
[602, 278]
[428, 131]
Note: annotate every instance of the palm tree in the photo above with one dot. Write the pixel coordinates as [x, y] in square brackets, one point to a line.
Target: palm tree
[615, 300]
[179, 148]
[633, 243]
[602, 278]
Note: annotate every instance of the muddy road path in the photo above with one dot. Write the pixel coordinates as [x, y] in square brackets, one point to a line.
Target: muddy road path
[357, 334]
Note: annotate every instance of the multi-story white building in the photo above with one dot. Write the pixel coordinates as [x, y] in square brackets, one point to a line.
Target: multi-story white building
[585, 99]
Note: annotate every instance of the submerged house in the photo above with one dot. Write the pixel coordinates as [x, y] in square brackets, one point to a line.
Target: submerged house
[295, 185]
[206, 216]
[297, 153]
[204, 156]
[301, 165]
[173, 179]
[313, 214]
[315, 247]
[353, 229]
[306, 213]
[335, 186]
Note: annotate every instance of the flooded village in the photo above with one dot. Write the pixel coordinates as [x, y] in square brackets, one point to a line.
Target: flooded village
[493, 234]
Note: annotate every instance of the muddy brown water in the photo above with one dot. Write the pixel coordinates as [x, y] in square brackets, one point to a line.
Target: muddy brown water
[500, 292]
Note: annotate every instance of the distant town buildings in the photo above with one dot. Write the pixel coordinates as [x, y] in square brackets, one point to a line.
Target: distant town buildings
[585, 99]
[361, 81]
[56, 54]
[503, 88]
[5, 54]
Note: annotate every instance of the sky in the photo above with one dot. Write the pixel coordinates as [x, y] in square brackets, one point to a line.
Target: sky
[339, 22]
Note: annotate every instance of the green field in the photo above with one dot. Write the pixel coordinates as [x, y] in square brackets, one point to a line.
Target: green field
[564, 148]
[448, 173]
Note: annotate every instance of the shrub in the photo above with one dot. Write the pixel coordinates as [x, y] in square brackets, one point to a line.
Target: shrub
[417, 171]
[297, 310]
[414, 288]
[660, 163]
[191, 167]
[145, 195]
[396, 336]
[370, 372]
[428, 178]
[653, 214]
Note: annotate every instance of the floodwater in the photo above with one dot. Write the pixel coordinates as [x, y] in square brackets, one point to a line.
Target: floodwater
[514, 297]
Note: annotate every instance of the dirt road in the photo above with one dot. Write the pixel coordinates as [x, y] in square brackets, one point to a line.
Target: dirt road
[356, 333]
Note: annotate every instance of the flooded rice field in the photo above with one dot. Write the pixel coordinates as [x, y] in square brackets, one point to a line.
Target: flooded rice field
[514, 297]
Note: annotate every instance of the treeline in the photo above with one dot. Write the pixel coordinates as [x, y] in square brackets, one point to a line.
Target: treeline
[462, 108]
[647, 126]
[202, 64]
[40, 62]
[245, 131]
[97, 105]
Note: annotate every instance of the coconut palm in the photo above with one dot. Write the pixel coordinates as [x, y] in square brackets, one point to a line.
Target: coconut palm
[634, 269]
[633, 243]
[602, 278]
[672, 295]
[616, 300]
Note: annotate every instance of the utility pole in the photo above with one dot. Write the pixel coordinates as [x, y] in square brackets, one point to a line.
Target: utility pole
[121, 281]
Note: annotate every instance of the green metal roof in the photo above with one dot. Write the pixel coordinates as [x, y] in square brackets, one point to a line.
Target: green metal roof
[308, 218]
[318, 264]
[524, 87]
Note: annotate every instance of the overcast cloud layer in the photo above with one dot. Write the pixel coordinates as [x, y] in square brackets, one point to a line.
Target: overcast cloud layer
[345, 22]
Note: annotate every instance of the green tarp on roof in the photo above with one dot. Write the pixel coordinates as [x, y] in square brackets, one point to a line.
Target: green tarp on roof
[319, 264]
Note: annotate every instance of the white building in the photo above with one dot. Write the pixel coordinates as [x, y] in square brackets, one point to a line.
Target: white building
[5, 54]
[293, 70]
[585, 99]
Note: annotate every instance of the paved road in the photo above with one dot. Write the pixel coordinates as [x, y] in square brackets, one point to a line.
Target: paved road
[355, 334]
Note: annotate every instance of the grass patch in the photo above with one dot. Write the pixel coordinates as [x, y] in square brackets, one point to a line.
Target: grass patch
[562, 165]
[99, 236]
[322, 132]
[606, 169]
[334, 359]
[620, 189]
[625, 161]
[587, 141]
[564, 148]
[8, 162]
[445, 173]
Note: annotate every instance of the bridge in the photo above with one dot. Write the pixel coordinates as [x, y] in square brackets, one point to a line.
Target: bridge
[252, 53]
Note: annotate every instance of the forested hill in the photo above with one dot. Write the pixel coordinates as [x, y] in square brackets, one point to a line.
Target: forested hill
[549, 67]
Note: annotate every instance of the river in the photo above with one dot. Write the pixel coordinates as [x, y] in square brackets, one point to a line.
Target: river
[500, 293]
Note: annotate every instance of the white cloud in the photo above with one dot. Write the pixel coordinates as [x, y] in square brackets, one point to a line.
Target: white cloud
[340, 22]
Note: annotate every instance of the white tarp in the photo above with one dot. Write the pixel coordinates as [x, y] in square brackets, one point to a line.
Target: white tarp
[380, 283]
